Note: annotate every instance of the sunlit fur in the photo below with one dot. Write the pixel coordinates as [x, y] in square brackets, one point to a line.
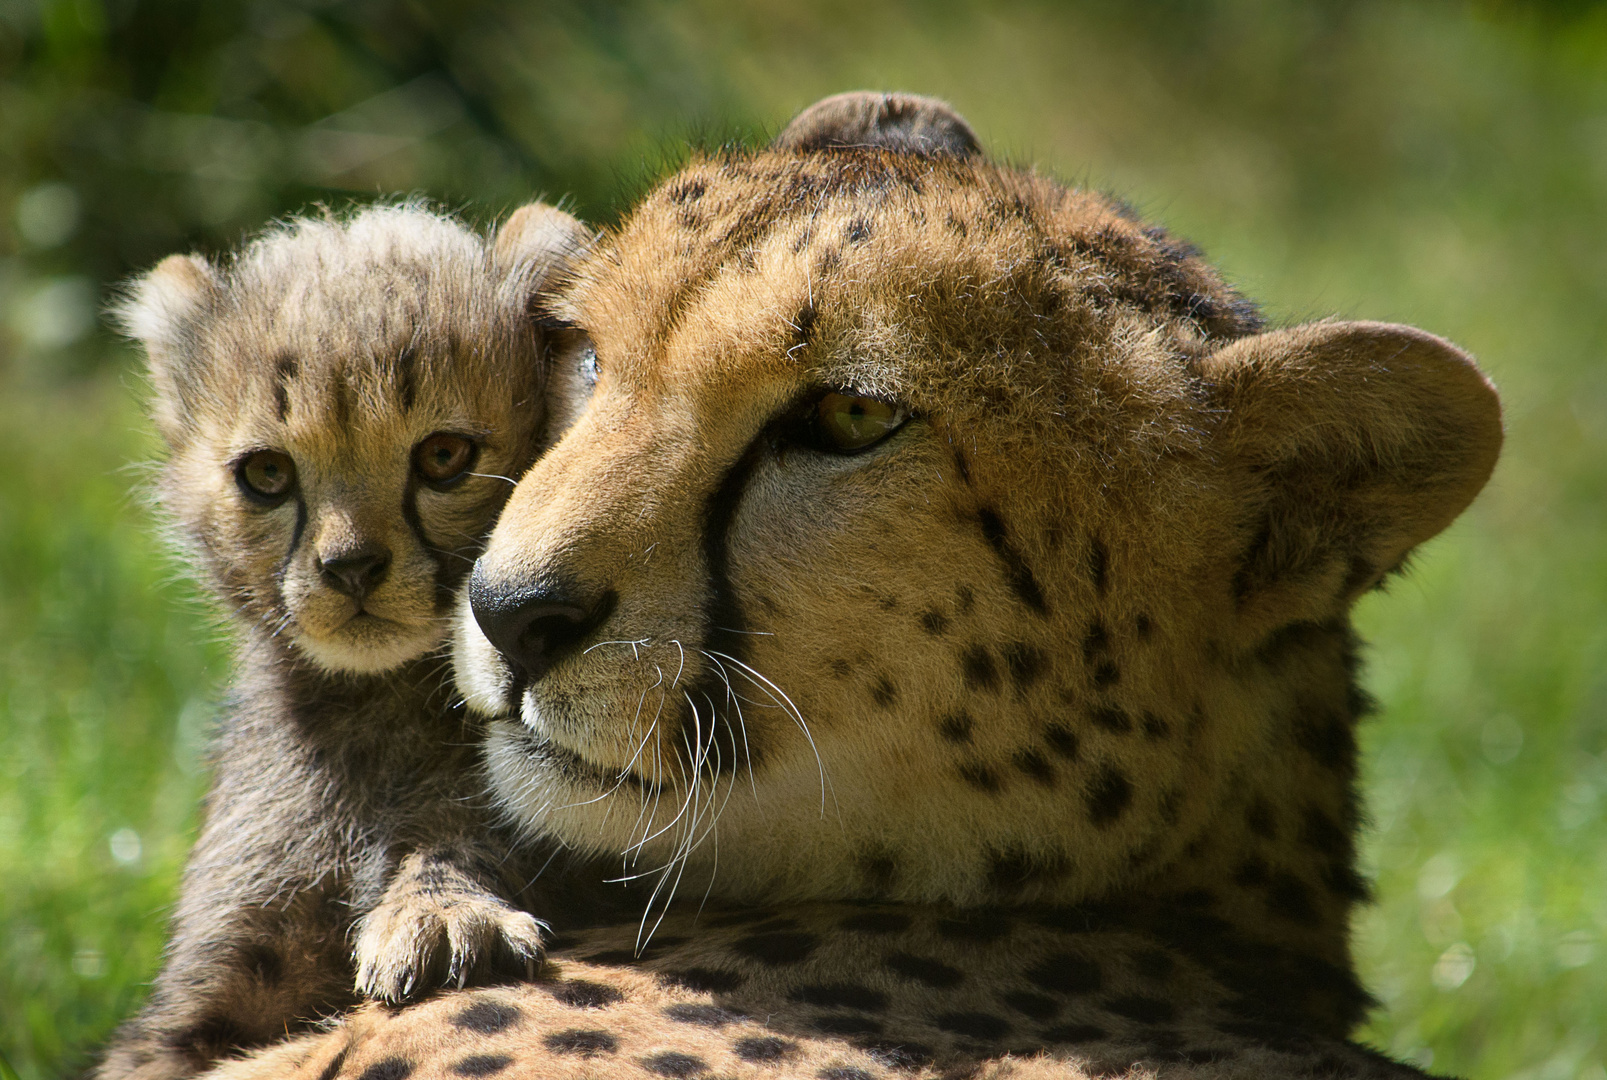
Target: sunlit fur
[343, 852]
[1080, 627]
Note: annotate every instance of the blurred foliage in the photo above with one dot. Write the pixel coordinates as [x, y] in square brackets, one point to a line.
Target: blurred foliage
[1438, 163]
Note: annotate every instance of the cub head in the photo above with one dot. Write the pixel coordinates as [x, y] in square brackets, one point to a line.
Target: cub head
[932, 527]
[344, 401]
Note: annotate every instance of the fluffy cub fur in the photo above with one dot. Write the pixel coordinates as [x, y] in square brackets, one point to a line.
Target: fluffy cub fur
[940, 534]
[344, 402]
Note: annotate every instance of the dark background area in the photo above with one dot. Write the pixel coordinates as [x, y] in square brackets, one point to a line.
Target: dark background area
[1438, 163]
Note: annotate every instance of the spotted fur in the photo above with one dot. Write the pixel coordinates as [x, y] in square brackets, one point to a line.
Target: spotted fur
[342, 813]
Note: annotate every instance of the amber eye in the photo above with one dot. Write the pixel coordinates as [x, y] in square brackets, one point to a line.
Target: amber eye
[266, 476]
[847, 423]
[444, 457]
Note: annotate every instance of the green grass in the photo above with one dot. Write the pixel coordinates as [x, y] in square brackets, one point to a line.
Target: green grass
[1426, 162]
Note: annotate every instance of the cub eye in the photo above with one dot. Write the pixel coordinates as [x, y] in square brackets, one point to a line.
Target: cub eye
[848, 423]
[266, 477]
[443, 457]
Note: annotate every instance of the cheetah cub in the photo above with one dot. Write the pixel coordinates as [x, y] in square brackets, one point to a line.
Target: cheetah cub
[344, 402]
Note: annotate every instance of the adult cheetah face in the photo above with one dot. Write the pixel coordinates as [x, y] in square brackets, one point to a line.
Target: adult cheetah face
[921, 517]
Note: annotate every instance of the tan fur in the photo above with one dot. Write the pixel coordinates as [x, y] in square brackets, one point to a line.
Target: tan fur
[876, 993]
[345, 813]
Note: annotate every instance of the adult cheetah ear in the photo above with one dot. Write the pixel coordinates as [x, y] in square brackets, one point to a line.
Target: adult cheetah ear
[905, 123]
[536, 242]
[1354, 442]
[161, 310]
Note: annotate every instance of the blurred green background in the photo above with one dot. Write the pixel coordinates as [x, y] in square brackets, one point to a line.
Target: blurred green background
[1438, 163]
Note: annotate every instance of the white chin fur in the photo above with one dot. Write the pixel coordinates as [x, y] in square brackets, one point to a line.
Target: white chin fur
[340, 657]
[482, 678]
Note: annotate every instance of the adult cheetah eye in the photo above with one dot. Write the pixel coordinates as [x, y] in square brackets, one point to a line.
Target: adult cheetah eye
[848, 423]
[444, 458]
[266, 477]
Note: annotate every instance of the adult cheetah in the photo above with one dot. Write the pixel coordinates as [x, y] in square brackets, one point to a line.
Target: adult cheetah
[948, 541]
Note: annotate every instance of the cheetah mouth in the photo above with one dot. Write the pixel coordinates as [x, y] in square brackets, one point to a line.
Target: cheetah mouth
[570, 766]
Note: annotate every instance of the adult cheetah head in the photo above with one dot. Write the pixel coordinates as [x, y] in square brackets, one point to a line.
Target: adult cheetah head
[926, 523]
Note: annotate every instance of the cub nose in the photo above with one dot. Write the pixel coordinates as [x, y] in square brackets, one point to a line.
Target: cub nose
[533, 627]
[356, 572]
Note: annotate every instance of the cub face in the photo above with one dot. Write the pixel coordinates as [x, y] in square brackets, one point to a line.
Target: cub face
[344, 402]
[925, 528]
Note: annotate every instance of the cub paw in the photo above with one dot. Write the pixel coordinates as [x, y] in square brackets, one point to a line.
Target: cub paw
[423, 939]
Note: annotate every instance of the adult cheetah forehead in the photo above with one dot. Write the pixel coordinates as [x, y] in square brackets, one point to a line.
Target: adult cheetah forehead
[916, 276]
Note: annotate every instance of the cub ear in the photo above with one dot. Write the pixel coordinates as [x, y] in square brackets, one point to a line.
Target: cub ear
[536, 241]
[161, 310]
[904, 123]
[1351, 442]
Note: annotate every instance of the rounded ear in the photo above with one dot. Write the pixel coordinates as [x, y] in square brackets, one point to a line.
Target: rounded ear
[538, 239]
[160, 311]
[1355, 442]
[905, 123]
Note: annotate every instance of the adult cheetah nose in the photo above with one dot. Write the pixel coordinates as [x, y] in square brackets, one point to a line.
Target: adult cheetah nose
[357, 571]
[535, 626]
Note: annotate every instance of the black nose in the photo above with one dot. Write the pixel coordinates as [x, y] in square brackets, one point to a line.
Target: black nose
[356, 572]
[533, 626]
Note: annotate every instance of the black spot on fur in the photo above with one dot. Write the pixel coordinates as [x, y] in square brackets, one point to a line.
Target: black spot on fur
[1142, 626]
[704, 980]
[846, 1025]
[580, 994]
[689, 190]
[1109, 796]
[1320, 831]
[876, 922]
[284, 373]
[391, 1068]
[487, 1017]
[1065, 973]
[904, 1056]
[1063, 741]
[964, 599]
[479, 1065]
[1155, 964]
[1018, 575]
[934, 623]
[1146, 1010]
[878, 868]
[1025, 663]
[675, 1065]
[1343, 881]
[1330, 741]
[844, 1072]
[1291, 898]
[1037, 1006]
[1252, 873]
[980, 777]
[978, 1025]
[1260, 818]
[841, 995]
[979, 670]
[803, 325]
[582, 1041]
[329, 1072]
[1095, 641]
[1098, 565]
[777, 949]
[858, 231]
[1074, 1033]
[883, 692]
[955, 727]
[1034, 764]
[688, 1012]
[841, 668]
[925, 970]
[763, 1048]
[1106, 673]
[888, 603]
[1112, 719]
[1156, 728]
